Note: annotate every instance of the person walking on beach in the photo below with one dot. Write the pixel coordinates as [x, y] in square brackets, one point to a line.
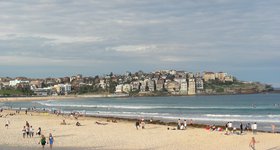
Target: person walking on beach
[137, 124]
[143, 124]
[31, 131]
[273, 128]
[230, 126]
[252, 143]
[27, 132]
[179, 124]
[42, 141]
[185, 124]
[241, 128]
[191, 122]
[38, 131]
[27, 124]
[51, 140]
[7, 124]
[254, 128]
[23, 132]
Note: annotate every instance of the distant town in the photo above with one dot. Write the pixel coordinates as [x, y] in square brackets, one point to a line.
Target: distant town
[158, 83]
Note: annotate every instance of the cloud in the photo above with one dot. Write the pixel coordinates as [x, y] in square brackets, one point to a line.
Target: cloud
[39, 61]
[52, 38]
[135, 48]
[194, 34]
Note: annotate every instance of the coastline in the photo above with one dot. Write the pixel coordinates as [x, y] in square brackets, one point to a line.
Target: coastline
[33, 98]
[121, 135]
[64, 97]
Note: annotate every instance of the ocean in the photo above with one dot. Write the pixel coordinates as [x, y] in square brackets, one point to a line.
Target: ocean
[261, 108]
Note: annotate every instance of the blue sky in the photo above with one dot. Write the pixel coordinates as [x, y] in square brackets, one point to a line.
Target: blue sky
[42, 38]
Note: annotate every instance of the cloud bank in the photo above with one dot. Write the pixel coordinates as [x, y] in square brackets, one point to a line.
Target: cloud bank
[95, 37]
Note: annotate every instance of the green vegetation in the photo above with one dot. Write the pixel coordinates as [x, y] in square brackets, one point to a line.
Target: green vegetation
[86, 89]
[15, 92]
[235, 87]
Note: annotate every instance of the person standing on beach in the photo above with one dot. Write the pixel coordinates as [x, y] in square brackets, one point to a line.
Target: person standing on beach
[254, 128]
[179, 124]
[273, 128]
[241, 128]
[230, 126]
[191, 122]
[185, 124]
[7, 124]
[143, 124]
[252, 143]
[51, 140]
[39, 131]
[27, 131]
[137, 124]
[23, 132]
[31, 131]
[42, 141]
[27, 124]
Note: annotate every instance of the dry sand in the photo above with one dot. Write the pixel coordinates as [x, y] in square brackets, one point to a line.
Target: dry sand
[62, 97]
[13, 99]
[122, 135]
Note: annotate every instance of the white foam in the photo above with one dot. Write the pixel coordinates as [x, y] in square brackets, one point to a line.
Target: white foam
[49, 103]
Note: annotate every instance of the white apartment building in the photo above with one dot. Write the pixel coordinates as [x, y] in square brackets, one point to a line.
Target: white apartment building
[15, 82]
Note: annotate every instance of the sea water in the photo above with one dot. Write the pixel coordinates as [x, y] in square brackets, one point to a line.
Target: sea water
[264, 109]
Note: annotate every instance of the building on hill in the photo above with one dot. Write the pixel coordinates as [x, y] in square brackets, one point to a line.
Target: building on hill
[180, 80]
[63, 89]
[209, 76]
[160, 85]
[199, 85]
[221, 76]
[184, 88]
[228, 78]
[151, 85]
[135, 85]
[143, 85]
[126, 88]
[173, 87]
[13, 83]
[191, 88]
[119, 88]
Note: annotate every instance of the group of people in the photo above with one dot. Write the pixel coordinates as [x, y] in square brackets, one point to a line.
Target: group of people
[28, 131]
[213, 128]
[230, 129]
[182, 125]
[140, 124]
[43, 141]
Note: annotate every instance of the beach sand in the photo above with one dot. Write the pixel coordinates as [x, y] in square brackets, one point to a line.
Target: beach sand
[13, 99]
[121, 135]
[61, 97]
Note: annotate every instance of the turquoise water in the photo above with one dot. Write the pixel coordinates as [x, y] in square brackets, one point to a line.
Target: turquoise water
[261, 108]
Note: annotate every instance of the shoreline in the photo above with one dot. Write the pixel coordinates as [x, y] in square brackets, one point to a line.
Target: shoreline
[31, 98]
[133, 120]
[167, 123]
[34, 98]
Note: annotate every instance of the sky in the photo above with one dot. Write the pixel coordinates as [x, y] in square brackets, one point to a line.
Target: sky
[55, 38]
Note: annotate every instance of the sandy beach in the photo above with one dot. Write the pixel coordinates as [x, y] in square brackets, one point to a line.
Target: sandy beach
[13, 99]
[63, 97]
[121, 135]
